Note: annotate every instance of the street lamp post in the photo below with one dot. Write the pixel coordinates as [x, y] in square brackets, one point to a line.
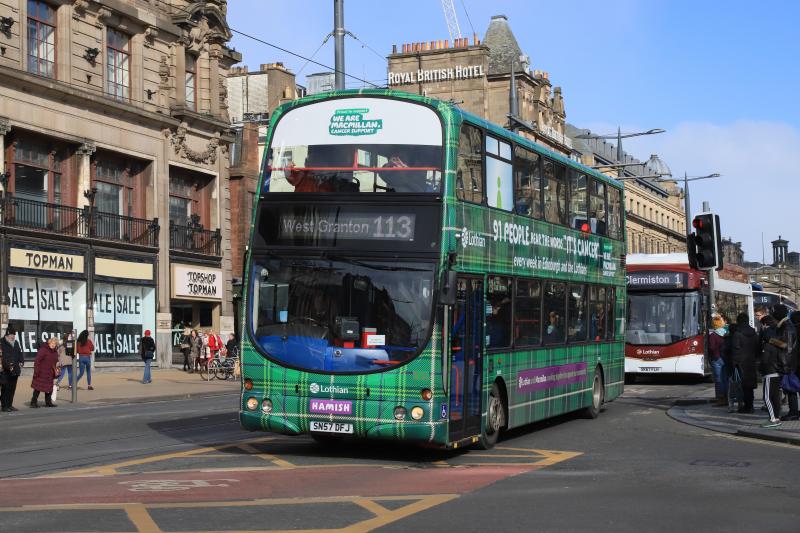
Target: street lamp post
[686, 204]
[619, 136]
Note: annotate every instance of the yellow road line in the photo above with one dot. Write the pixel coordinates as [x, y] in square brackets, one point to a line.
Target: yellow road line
[141, 518]
[371, 506]
[422, 504]
[266, 456]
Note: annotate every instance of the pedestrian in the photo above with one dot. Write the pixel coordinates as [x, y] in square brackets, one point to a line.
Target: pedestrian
[12, 362]
[147, 349]
[745, 351]
[45, 370]
[232, 346]
[66, 357]
[716, 344]
[770, 367]
[196, 349]
[85, 348]
[792, 371]
[186, 348]
[214, 345]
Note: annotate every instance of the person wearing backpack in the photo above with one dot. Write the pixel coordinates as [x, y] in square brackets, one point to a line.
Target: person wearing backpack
[147, 349]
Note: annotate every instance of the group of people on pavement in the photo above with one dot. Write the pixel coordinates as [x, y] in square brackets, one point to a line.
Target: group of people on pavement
[199, 348]
[738, 352]
[53, 361]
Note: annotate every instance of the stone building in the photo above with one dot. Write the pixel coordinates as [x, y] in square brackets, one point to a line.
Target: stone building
[732, 252]
[252, 96]
[782, 276]
[114, 131]
[655, 218]
[477, 75]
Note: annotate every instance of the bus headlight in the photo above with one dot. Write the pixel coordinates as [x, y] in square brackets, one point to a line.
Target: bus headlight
[266, 406]
[399, 413]
[252, 404]
[417, 413]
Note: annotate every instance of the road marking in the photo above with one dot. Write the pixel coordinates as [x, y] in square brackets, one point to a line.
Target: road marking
[141, 519]
[266, 456]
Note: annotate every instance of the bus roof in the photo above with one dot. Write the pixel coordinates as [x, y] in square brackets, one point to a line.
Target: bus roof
[465, 115]
[657, 259]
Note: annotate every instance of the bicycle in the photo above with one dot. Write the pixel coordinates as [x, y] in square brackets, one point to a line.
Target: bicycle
[224, 369]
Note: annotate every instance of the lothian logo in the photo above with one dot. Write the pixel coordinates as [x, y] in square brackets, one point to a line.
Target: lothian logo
[314, 388]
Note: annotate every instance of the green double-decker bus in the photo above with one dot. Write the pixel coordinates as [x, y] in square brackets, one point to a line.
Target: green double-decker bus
[418, 273]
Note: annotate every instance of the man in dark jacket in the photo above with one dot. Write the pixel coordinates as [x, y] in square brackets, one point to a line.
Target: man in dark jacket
[794, 365]
[746, 346]
[770, 370]
[13, 361]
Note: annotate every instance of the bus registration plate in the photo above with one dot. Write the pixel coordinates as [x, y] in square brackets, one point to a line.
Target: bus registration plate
[331, 427]
[650, 369]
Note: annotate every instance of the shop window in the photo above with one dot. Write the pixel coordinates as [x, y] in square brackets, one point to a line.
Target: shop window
[597, 208]
[191, 82]
[498, 321]
[555, 192]
[578, 200]
[527, 313]
[41, 39]
[597, 313]
[469, 173]
[576, 313]
[40, 308]
[121, 314]
[118, 68]
[554, 312]
[527, 183]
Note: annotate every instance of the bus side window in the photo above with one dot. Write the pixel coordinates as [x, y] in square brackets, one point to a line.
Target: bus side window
[597, 207]
[469, 173]
[555, 192]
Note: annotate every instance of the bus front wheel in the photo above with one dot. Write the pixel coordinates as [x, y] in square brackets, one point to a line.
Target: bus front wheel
[598, 395]
[495, 418]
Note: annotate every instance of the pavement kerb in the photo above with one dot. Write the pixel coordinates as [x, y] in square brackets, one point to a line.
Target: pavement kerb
[678, 413]
[150, 399]
[785, 439]
[692, 401]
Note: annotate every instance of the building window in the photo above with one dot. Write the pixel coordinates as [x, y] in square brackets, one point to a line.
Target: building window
[191, 82]
[118, 65]
[41, 39]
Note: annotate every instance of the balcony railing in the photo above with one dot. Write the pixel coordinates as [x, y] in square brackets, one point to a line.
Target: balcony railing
[194, 238]
[77, 222]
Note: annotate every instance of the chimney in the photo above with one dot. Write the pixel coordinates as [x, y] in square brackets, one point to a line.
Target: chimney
[475, 40]
[394, 49]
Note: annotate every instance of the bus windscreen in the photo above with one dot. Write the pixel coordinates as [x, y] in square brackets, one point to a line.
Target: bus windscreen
[661, 318]
[356, 145]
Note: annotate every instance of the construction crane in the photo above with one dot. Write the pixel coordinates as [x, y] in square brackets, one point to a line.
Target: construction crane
[452, 19]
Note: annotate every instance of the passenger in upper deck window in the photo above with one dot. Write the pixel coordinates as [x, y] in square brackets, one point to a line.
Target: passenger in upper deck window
[305, 181]
[404, 180]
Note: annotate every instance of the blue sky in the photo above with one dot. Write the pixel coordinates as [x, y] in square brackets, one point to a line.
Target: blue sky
[720, 77]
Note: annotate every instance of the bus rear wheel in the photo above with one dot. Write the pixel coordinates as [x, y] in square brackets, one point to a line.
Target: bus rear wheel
[495, 419]
[598, 395]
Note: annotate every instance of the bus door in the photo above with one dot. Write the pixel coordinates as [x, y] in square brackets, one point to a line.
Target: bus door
[466, 348]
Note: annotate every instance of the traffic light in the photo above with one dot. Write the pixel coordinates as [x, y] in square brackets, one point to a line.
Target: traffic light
[705, 245]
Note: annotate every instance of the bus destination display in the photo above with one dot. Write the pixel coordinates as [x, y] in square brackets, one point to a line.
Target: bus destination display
[328, 226]
[654, 279]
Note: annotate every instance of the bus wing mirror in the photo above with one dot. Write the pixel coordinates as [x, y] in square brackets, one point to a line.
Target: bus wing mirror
[447, 293]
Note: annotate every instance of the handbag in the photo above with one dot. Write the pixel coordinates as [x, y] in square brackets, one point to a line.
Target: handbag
[790, 383]
[735, 391]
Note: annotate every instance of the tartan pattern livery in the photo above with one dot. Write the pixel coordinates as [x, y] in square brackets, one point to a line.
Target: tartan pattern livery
[374, 396]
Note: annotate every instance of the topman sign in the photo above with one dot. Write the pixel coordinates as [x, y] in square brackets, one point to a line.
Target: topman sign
[437, 74]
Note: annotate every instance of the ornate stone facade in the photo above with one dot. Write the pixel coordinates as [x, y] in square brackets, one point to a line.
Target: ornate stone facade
[129, 96]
